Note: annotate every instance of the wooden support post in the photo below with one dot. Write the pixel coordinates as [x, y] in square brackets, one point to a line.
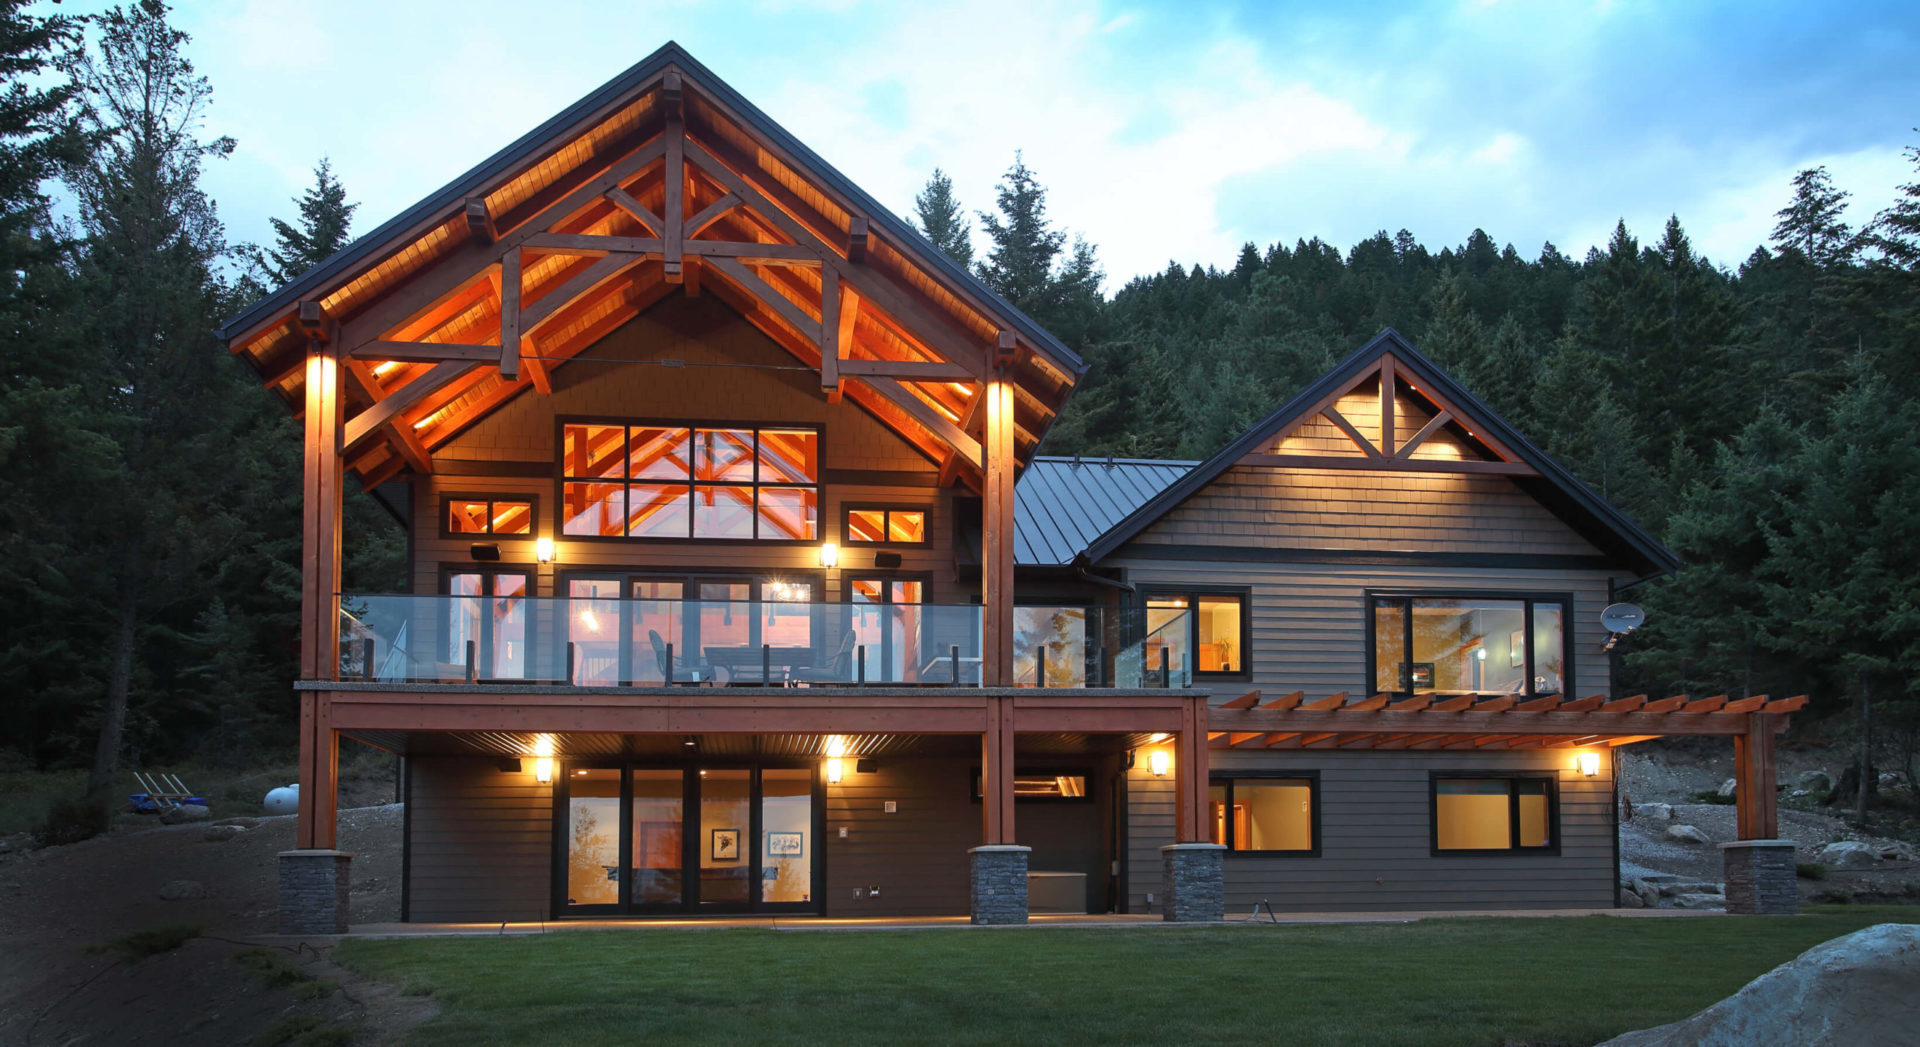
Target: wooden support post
[1190, 774]
[996, 773]
[832, 344]
[996, 563]
[1757, 802]
[674, 209]
[510, 314]
[1386, 407]
[320, 516]
[317, 818]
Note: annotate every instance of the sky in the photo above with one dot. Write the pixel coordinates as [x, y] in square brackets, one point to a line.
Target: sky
[1163, 131]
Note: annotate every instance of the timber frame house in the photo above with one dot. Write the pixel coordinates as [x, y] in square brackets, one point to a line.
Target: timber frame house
[708, 464]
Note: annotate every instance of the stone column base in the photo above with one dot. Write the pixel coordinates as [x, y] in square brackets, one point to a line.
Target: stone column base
[313, 891]
[1000, 883]
[1193, 882]
[1761, 877]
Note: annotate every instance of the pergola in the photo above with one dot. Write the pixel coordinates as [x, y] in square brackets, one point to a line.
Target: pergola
[1470, 722]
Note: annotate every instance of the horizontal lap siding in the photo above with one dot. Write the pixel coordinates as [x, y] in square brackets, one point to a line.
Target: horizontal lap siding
[1375, 839]
[597, 385]
[1309, 620]
[917, 856]
[480, 840]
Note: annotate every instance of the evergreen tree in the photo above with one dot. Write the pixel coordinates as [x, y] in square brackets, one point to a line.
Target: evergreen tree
[942, 220]
[325, 218]
[1025, 244]
[166, 393]
[1811, 223]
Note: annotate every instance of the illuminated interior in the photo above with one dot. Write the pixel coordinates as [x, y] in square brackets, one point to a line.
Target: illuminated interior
[1263, 814]
[1492, 814]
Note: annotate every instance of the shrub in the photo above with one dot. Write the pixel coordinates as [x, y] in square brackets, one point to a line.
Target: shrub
[71, 820]
[271, 968]
[1810, 871]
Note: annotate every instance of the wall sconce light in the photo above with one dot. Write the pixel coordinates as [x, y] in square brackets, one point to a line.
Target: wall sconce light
[1158, 761]
[543, 550]
[833, 771]
[1156, 739]
[1590, 764]
[829, 554]
[1480, 653]
[543, 759]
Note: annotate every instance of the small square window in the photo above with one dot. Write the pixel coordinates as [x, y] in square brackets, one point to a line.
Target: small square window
[870, 526]
[1493, 814]
[489, 516]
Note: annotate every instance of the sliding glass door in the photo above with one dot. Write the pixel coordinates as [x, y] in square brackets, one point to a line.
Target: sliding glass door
[658, 840]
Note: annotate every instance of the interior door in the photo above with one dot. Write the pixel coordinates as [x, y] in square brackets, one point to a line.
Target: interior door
[723, 856]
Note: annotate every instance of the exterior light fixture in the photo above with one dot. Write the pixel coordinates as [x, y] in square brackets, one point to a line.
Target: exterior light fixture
[1480, 653]
[543, 759]
[1158, 738]
[543, 550]
[1590, 764]
[829, 554]
[833, 771]
[1158, 761]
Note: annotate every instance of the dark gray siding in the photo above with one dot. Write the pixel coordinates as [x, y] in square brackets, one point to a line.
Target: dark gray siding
[481, 842]
[917, 856]
[1375, 842]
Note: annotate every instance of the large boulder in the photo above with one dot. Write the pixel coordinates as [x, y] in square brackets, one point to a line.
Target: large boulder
[1658, 812]
[1849, 854]
[1816, 781]
[1728, 788]
[185, 812]
[1852, 990]
[1687, 834]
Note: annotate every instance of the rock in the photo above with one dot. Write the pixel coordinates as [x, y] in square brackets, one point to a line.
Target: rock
[1816, 781]
[1897, 852]
[1630, 899]
[1687, 834]
[243, 822]
[1849, 854]
[183, 891]
[222, 833]
[1700, 900]
[1852, 990]
[1728, 788]
[185, 812]
[1889, 778]
[1658, 812]
[1649, 894]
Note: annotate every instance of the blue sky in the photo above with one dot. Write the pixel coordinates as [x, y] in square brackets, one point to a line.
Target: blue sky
[1162, 130]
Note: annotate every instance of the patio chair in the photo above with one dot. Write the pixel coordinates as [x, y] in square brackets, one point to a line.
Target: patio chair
[688, 670]
[838, 667]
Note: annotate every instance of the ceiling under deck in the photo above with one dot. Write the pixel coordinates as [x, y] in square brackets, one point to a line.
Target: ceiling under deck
[735, 746]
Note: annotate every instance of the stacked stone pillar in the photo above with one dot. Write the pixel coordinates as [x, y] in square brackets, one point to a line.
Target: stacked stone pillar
[1000, 883]
[313, 891]
[1193, 882]
[1760, 877]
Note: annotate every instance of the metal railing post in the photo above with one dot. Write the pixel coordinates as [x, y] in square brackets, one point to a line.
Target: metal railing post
[669, 665]
[570, 664]
[1166, 671]
[860, 680]
[366, 659]
[766, 665]
[955, 654]
[470, 675]
[1040, 665]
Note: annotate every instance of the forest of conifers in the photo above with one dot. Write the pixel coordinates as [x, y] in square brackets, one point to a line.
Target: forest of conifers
[1756, 414]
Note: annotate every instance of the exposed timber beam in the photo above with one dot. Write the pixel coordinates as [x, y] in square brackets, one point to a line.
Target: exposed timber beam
[427, 352]
[835, 332]
[674, 235]
[1391, 465]
[368, 421]
[1387, 409]
[1433, 426]
[1332, 414]
[857, 239]
[908, 370]
[625, 201]
[922, 412]
[581, 283]
[480, 227]
[510, 289]
[711, 213]
[752, 283]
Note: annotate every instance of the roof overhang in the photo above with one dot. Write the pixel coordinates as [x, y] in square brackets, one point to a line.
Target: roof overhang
[664, 181]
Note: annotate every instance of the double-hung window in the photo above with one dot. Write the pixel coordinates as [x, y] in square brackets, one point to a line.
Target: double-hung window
[1468, 644]
[690, 482]
[1494, 814]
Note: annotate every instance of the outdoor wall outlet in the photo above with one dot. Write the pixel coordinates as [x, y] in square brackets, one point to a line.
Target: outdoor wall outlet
[1149, 897]
[872, 891]
[859, 893]
[893, 807]
[843, 832]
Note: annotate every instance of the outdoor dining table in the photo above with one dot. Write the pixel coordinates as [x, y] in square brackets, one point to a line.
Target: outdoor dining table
[745, 665]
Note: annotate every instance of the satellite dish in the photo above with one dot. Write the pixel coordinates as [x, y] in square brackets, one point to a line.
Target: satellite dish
[1622, 618]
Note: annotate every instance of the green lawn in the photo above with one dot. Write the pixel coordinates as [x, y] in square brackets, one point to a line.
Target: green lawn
[1476, 982]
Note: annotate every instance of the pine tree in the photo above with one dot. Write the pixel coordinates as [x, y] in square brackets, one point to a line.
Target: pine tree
[1025, 244]
[167, 394]
[1811, 224]
[1896, 230]
[942, 220]
[325, 218]
[1453, 337]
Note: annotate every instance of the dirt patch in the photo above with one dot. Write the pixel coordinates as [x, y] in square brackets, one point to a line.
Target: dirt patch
[58, 904]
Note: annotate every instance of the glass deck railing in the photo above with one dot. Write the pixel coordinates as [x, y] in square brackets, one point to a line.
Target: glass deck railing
[641, 643]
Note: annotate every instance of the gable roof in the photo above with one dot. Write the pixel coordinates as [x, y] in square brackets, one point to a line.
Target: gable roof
[1062, 505]
[572, 230]
[504, 162]
[1559, 490]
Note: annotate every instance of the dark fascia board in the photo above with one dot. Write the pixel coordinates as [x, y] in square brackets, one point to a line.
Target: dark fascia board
[1643, 550]
[454, 193]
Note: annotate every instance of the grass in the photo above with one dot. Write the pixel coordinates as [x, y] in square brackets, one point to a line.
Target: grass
[1435, 983]
[151, 942]
[274, 970]
[304, 1030]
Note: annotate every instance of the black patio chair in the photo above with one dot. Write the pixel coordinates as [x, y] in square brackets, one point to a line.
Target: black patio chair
[689, 670]
[838, 667]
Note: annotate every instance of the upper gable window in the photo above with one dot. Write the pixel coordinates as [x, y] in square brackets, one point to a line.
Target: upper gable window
[481, 514]
[742, 483]
[885, 526]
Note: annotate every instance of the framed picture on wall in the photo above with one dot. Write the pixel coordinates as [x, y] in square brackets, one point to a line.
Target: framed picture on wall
[785, 845]
[1517, 649]
[726, 845]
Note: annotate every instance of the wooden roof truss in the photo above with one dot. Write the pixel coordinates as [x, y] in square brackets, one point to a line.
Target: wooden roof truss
[667, 193]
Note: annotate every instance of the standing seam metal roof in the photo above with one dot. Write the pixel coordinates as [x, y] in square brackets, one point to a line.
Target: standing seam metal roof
[1062, 505]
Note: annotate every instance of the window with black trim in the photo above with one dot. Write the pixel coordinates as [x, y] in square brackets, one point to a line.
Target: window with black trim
[1269, 814]
[884, 526]
[486, 626]
[743, 483]
[1030, 785]
[463, 514]
[1495, 814]
[1217, 636]
[1465, 643]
